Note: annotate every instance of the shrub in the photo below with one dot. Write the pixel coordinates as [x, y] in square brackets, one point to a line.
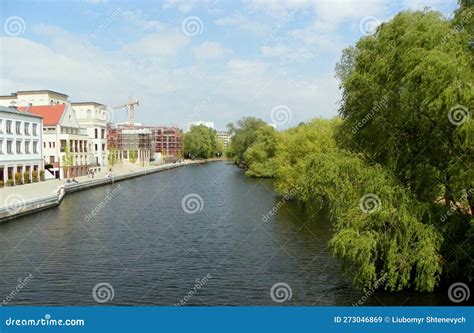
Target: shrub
[34, 175]
[18, 179]
[10, 182]
[1, 183]
[26, 177]
[42, 175]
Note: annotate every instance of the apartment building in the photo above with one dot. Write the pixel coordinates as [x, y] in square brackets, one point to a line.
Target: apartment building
[33, 98]
[65, 143]
[20, 146]
[224, 137]
[92, 117]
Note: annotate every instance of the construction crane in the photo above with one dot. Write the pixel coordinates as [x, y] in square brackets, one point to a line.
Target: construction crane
[130, 109]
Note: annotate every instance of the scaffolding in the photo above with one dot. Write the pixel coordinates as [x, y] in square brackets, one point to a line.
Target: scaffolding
[166, 142]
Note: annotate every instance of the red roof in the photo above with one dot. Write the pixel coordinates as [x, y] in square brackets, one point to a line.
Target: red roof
[51, 113]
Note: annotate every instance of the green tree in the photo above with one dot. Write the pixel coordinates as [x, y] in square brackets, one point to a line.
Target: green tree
[112, 157]
[244, 135]
[259, 157]
[407, 94]
[67, 160]
[133, 156]
[201, 142]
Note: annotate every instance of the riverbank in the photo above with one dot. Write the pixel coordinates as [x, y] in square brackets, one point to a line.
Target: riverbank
[30, 198]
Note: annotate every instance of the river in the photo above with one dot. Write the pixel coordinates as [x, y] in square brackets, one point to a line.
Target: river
[135, 238]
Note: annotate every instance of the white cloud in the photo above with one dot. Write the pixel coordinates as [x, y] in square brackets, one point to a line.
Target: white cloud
[160, 44]
[244, 23]
[210, 50]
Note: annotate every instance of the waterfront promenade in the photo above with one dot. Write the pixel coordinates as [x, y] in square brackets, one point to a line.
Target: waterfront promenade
[24, 199]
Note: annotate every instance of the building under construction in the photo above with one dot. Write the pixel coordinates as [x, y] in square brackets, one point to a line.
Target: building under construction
[131, 144]
[168, 142]
[149, 143]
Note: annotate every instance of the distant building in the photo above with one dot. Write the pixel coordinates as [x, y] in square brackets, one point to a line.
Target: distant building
[93, 117]
[200, 122]
[168, 142]
[20, 144]
[61, 130]
[224, 137]
[272, 125]
[33, 98]
[129, 143]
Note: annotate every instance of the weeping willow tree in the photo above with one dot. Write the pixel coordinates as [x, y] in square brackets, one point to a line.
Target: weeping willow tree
[407, 103]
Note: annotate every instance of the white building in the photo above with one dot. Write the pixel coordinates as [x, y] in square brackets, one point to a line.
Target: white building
[93, 117]
[224, 137]
[20, 145]
[61, 131]
[33, 97]
[209, 124]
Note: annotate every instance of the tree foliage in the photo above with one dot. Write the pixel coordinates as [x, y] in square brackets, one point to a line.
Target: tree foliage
[201, 142]
[396, 170]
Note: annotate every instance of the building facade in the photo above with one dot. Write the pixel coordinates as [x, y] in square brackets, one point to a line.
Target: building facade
[21, 158]
[65, 143]
[130, 144]
[33, 98]
[224, 137]
[168, 142]
[92, 117]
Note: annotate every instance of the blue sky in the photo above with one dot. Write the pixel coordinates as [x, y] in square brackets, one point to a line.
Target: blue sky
[190, 60]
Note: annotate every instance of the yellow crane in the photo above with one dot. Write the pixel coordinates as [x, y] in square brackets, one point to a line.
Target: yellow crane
[130, 109]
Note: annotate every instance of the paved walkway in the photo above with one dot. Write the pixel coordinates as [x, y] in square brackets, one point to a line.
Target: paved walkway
[24, 193]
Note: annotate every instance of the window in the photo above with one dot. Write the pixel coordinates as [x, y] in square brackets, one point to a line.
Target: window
[35, 129]
[49, 144]
[96, 133]
[18, 147]
[27, 128]
[18, 127]
[35, 147]
[9, 147]
[103, 147]
[44, 144]
[103, 133]
[54, 144]
[27, 147]
[1, 125]
[1, 146]
[51, 159]
[9, 127]
[95, 147]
